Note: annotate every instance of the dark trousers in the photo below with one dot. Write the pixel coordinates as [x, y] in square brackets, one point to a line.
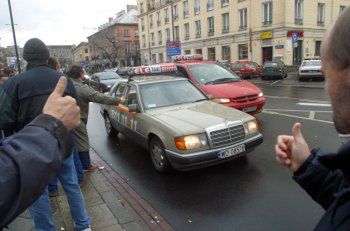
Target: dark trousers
[85, 159]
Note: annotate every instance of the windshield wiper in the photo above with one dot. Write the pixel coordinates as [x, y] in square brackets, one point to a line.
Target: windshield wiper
[199, 100]
[222, 80]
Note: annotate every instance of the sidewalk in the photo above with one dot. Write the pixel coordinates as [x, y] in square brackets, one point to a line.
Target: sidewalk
[111, 203]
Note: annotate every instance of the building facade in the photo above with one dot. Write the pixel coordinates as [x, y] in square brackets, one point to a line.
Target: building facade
[116, 43]
[64, 54]
[258, 30]
[81, 54]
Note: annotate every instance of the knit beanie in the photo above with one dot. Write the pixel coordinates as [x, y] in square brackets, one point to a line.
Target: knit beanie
[35, 50]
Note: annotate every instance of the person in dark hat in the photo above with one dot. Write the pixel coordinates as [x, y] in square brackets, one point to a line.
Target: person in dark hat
[23, 98]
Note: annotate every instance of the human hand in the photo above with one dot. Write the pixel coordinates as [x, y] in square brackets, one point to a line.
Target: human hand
[292, 151]
[122, 100]
[63, 108]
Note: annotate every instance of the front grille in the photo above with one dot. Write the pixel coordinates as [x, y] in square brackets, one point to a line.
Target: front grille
[245, 99]
[227, 136]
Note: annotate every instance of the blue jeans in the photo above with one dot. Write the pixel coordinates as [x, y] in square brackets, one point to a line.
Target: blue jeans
[85, 159]
[41, 209]
[53, 186]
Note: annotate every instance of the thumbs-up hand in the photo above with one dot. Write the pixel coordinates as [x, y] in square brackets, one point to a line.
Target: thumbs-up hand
[63, 108]
[292, 151]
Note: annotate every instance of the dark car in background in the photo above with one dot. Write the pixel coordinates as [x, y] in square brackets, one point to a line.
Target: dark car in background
[246, 69]
[103, 81]
[274, 70]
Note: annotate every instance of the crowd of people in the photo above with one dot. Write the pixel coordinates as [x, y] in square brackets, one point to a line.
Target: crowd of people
[45, 116]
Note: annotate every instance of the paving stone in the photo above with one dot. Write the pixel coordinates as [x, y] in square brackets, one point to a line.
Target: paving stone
[101, 216]
[91, 196]
[23, 224]
[110, 228]
[98, 180]
[65, 212]
[122, 214]
[132, 226]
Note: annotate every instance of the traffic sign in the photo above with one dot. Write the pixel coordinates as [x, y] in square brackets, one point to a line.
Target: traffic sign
[173, 48]
[295, 39]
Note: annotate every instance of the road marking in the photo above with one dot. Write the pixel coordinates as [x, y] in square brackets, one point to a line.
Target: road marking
[298, 117]
[284, 110]
[303, 100]
[312, 115]
[315, 104]
[275, 82]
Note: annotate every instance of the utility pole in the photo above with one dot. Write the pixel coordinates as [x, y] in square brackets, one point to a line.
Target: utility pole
[14, 37]
[172, 18]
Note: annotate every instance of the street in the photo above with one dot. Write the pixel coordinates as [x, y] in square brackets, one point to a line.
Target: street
[253, 193]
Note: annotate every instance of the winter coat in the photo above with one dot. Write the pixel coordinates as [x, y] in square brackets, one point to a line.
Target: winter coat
[325, 177]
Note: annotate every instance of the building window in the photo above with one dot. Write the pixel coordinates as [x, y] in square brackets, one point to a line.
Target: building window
[341, 9]
[161, 58]
[198, 51]
[198, 28]
[186, 13]
[299, 12]
[175, 12]
[141, 6]
[318, 48]
[187, 52]
[166, 13]
[267, 13]
[243, 51]
[197, 7]
[142, 24]
[151, 21]
[226, 53]
[158, 19]
[243, 19]
[154, 58]
[127, 48]
[177, 33]
[167, 32]
[187, 31]
[86, 51]
[224, 2]
[320, 14]
[126, 33]
[211, 53]
[136, 33]
[160, 39]
[210, 26]
[210, 5]
[143, 41]
[152, 39]
[87, 58]
[225, 23]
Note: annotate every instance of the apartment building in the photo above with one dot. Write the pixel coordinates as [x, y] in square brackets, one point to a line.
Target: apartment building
[257, 30]
[81, 53]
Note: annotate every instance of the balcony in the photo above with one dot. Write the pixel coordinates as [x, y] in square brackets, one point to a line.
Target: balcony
[160, 42]
[151, 25]
[320, 23]
[187, 37]
[224, 3]
[211, 32]
[143, 28]
[267, 23]
[225, 30]
[198, 35]
[242, 27]
[186, 14]
[166, 20]
[298, 21]
[153, 43]
[197, 11]
[176, 17]
[158, 23]
[210, 7]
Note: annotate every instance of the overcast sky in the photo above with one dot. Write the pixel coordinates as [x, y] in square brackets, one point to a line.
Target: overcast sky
[56, 22]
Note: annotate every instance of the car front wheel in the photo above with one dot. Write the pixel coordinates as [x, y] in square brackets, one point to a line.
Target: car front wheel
[110, 130]
[158, 156]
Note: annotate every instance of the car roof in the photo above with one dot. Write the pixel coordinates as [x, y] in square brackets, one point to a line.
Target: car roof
[147, 79]
[194, 62]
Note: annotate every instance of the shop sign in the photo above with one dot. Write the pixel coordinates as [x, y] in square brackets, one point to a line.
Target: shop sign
[299, 33]
[266, 35]
[279, 46]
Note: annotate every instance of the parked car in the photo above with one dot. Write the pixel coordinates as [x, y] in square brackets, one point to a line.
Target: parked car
[223, 85]
[310, 69]
[103, 81]
[274, 70]
[246, 69]
[177, 123]
[225, 63]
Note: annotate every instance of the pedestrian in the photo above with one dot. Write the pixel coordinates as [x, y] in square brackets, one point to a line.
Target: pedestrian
[40, 147]
[85, 95]
[326, 177]
[9, 72]
[27, 93]
[53, 186]
[3, 77]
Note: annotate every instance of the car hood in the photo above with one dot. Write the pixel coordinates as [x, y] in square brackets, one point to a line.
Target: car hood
[190, 119]
[231, 90]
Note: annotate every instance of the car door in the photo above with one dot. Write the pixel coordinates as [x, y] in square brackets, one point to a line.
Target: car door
[93, 82]
[115, 111]
[258, 69]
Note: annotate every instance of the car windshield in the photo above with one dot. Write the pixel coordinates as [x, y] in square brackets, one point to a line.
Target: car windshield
[169, 93]
[108, 75]
[270, 65]
[316, 63]
[212, 74]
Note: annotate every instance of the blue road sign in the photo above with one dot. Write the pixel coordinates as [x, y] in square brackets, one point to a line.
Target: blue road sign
[173, 48]
[295, 39]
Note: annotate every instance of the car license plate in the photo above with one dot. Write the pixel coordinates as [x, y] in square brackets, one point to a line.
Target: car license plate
[231, 152]
[249, 109]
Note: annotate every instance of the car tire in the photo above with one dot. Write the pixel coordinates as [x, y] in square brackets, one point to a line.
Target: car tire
[158, 156]
[110, 130]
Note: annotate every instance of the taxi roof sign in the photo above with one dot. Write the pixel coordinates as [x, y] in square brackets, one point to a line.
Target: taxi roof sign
[178, 58]
[152, 69]
[312, 58]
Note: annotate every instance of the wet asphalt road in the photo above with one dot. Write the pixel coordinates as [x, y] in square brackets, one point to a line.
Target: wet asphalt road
[252, 193]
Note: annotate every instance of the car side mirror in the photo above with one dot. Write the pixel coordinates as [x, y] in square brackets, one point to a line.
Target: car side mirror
[210, 97]
[134, 108]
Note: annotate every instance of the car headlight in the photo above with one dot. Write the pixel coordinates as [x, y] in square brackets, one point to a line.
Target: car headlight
[221, 100]
[109, 86]
[261, 94]
[191, 142]
[252, 127]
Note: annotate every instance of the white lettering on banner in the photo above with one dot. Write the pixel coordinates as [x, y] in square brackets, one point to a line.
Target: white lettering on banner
[154, 69]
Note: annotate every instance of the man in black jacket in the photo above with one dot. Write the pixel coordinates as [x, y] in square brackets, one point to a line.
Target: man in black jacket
[30, 158]
[326, 177]
[24, 96]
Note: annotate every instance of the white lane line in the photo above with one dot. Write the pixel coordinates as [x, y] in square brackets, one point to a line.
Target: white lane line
[275, 82]
[315, 104]
[301, 100]
[298, 117]
[312, 115]
[284, 110]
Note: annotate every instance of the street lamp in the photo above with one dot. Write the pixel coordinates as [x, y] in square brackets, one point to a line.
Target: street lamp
[14, 37]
